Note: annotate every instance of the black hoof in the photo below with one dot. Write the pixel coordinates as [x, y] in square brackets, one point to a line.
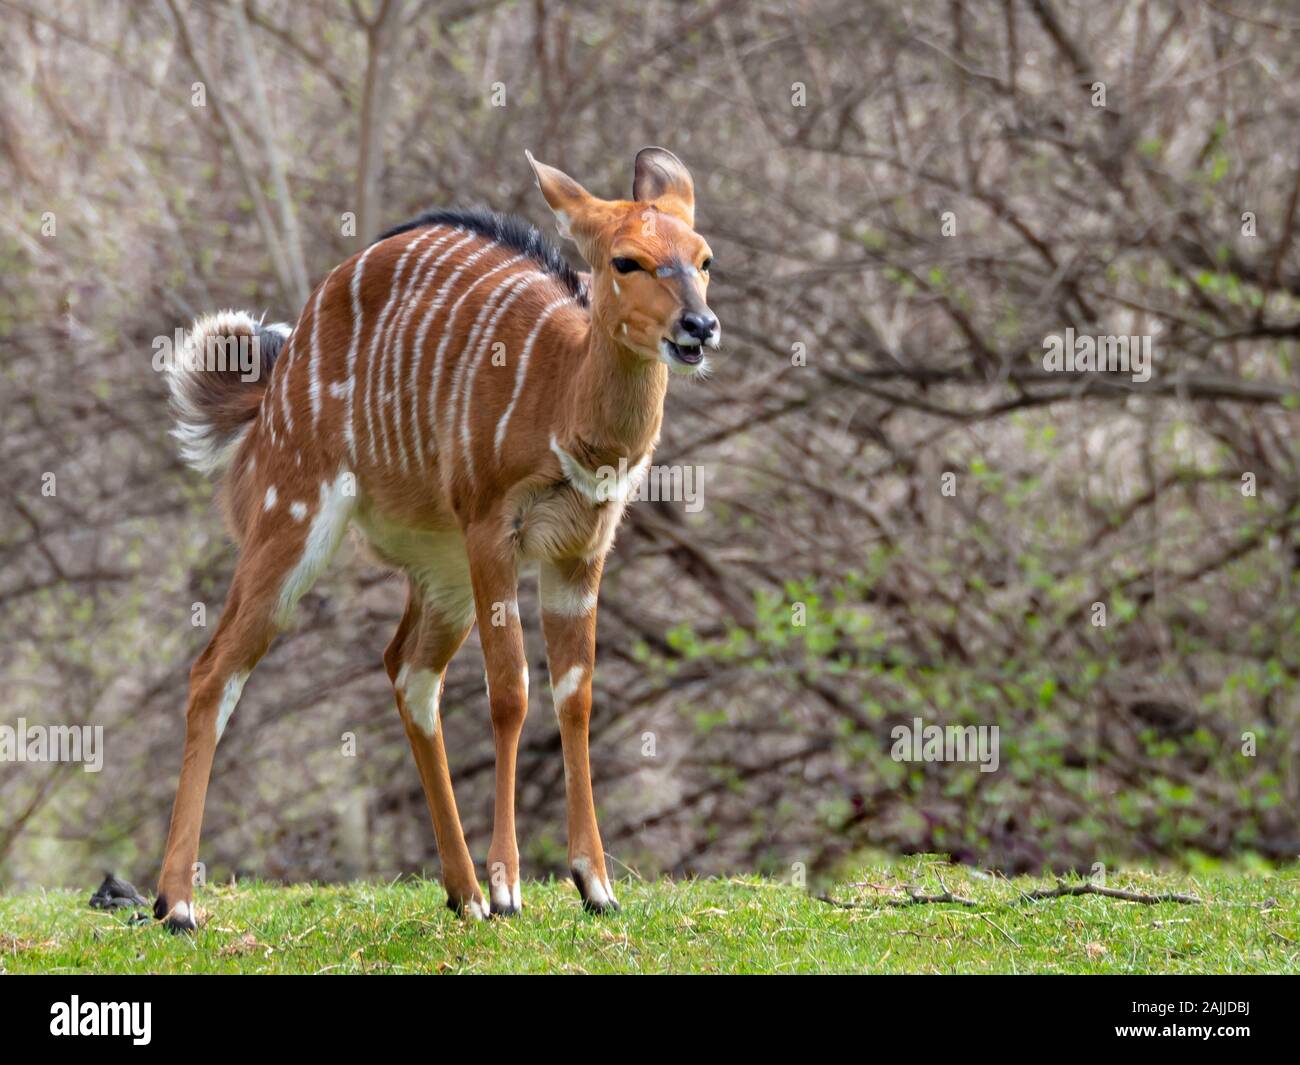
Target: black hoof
[474, 909]
[176, 919]
[504, 911]
[595, 897]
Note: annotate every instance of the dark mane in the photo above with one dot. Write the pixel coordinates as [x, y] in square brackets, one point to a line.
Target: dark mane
[510, 230]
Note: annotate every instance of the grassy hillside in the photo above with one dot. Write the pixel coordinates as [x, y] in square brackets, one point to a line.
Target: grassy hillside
[1243, 924]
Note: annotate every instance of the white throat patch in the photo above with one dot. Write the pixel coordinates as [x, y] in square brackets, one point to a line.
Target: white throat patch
[605, 485]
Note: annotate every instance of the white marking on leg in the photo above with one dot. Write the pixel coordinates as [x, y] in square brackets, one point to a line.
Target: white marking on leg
[269, 502]
[229, 700]
[566, 687]
[567, 600]
[180, 913]
[333, 511]
[422, 694]
[522, 369]
[506, 896]
[599, 892]
[350, 382]
[476, 910]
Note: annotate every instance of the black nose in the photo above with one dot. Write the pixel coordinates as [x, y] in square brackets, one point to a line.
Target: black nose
[700, 326]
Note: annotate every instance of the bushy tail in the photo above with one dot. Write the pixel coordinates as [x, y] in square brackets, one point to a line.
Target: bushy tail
[217, 382]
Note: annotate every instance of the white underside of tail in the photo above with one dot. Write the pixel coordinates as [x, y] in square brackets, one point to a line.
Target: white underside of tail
[202, 445]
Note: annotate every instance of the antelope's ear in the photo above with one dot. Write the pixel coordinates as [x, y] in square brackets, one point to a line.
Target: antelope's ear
[660, 175]
[570, 202]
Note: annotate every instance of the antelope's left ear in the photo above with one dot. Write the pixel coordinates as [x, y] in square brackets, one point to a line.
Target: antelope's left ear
[660, 175]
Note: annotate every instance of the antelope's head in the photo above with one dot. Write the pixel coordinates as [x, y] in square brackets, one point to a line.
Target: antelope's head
[649, 268]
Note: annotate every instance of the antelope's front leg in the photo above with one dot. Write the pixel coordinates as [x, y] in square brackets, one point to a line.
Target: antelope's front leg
[495, 578]
[568, 594]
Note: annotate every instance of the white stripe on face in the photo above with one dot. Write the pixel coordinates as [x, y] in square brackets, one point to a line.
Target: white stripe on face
[515, 286]
[376, 356]
[350, 383]
[522, 369]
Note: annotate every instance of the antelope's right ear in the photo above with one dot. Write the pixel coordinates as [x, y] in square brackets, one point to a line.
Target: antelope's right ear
[567, 199]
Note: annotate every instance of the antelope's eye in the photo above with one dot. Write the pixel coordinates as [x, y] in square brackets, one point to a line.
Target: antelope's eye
[706, 264]
[626, 266]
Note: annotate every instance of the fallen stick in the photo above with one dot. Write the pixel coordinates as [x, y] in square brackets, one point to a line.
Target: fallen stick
[1062, 890]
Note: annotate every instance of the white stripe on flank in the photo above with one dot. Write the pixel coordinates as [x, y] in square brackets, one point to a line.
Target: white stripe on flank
[287, 356]
[522, 369]
[313, 359]
[350, 384]
[447, 333]
[411, 304]
[375, 366]
[397, 343]
[517, 286]
[434, 306]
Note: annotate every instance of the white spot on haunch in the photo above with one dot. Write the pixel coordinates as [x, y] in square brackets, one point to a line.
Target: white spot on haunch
[269, 502]
[333, 511]
[298, 509]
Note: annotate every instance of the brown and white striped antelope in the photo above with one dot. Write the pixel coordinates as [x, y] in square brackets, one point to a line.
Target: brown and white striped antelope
[458, 394]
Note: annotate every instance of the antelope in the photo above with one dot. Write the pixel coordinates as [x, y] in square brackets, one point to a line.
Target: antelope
[459, 395]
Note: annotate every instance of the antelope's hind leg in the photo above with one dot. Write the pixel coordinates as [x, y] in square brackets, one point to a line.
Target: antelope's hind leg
[284, 552]
[417, 660]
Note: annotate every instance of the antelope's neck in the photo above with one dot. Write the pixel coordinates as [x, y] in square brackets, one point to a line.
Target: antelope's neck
[614, 404]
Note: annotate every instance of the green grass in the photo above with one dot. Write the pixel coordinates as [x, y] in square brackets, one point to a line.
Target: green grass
[1247, 924]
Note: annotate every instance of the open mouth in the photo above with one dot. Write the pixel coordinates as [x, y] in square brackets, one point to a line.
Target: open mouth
[686, 354]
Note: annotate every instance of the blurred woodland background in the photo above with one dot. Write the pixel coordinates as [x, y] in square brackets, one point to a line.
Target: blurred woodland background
[905, 199]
